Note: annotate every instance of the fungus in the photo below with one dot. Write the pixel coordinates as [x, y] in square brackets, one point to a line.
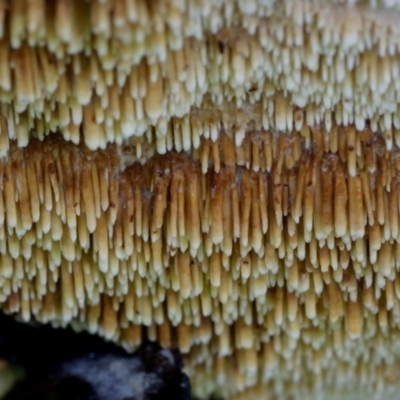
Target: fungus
[221, 176]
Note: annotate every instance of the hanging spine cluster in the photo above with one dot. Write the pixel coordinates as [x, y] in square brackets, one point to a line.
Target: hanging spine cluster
[287, 232]
[224, 179]
[115, 69]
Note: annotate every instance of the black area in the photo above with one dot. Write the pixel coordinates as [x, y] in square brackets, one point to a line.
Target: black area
[38, 348]
[53, 388]
[46, 353]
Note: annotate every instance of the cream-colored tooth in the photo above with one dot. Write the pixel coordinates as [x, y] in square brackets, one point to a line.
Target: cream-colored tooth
[293, 275]
[60, 205]
[256, 229]
[215, 155]
[351, 147]
[47, 194]
[78, 282]
[386, 125]
[103, 246]
[25, 306]
[22, 130]
[340, 203]
[389, 294]
[277, 195]
[183, 261]
[247, 337]
[388, 135]
[205, 299]
[328, 120]
[279, 305]
[243, 153]
[385, 262]
[103, 178]
[153, 102]
[64, 20]
[2, 211]
[327, 199]
[24, 84]
[9, 196]
[160, 202]
[369, 155]
[240, 134]
[173, 207]
[67, 284]
[336, 309]
[397, 286]
[354, 319]
[23, 192]
[128, 222]
[113, 194]
[292, 305]
[263, 201]
[178, 137]
[308, 205]
[89, 201]
[397, 137]
[82, 85]
[109, 318]
[83, 234]
[268, 151]
[197, 277]
[383, 318]
[280, 114]
[298, 120]
[114, 106]
[11, 120]
[161, 145]
[215, 269]
[69, 188]
[119, 17]
[73, 132]
[301, 176]
[196, 130]
[393, 210]
[246, 207]
[5, 70]
[93, 133]
[356, 208]
[214, 131]
[181, 211]
[367, 198]
[3, 9]
[380, 202]
[235, 213]
[67, 243]
[193, 217]
[76, 111]
[204, 157]
[184, 335]
[5, 135]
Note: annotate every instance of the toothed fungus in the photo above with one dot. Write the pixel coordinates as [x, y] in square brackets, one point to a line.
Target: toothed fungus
[221, 174]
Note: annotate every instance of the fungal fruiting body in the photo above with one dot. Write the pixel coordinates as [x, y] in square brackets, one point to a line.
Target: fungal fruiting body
[222, 176]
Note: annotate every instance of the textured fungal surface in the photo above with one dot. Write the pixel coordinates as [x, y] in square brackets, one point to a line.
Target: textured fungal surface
[219, 176]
